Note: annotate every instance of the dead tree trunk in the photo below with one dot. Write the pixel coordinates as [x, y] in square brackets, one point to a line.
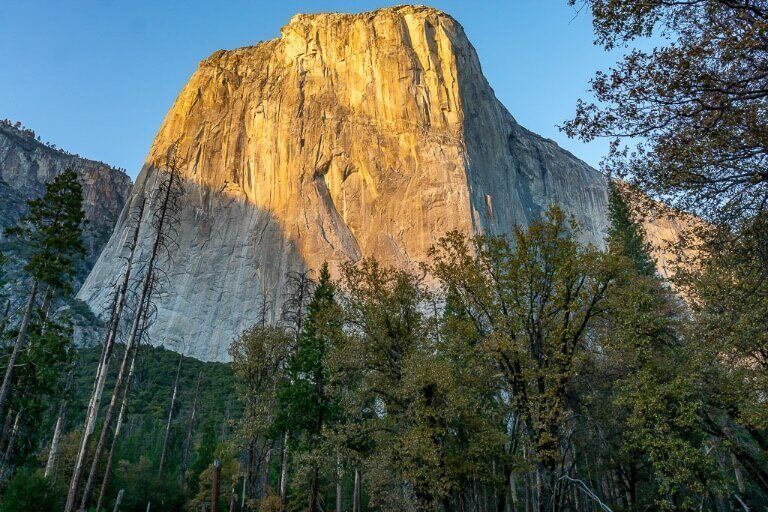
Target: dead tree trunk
[216, 477]
[164, 215]
[117, 310]
[128, 358]
[357, 490]
[313, 489]
[243, 493]
[190, 428]
[118, 500]
[103, 366]
[339, 489]
[233, 501]
[170, 418]
[5, 388]
[54, 450]
[284, 474]
[116, 437]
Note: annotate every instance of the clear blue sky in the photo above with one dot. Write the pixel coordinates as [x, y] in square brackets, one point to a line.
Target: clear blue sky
[97, 77]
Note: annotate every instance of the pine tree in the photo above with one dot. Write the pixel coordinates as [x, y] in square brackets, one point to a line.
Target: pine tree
[649, 397]
[305, 403]
[625, 234]
[52, 236]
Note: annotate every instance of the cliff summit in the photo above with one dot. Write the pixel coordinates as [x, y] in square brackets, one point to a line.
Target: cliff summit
[349, 136]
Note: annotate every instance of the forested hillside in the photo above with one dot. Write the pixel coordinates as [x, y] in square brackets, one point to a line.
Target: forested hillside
[206, 388]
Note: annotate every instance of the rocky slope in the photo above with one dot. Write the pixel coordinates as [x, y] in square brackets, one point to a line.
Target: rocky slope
[26, 164]
[348, 136]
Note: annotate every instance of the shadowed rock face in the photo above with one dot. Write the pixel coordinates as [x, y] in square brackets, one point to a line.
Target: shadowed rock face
[349, 136]
[26, 164]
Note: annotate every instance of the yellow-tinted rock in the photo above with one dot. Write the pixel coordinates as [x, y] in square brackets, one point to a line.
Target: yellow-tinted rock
[349, 136]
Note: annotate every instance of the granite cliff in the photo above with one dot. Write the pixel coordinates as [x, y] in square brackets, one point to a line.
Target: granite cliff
[348, 136]
[26, 164]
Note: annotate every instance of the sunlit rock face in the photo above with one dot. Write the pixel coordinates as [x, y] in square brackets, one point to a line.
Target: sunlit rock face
[348, 136]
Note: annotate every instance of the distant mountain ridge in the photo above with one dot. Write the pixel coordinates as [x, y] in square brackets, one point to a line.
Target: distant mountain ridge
[27, 163]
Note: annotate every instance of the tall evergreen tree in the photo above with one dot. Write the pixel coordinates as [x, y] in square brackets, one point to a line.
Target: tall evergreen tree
[625, 234]
[51, 234]
[306, 405]
[647, 396]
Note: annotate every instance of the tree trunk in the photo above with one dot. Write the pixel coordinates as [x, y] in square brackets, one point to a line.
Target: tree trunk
[215, 485]
[265, 470]
[539, 492]
[190, 428]
[102, 369]
[11, 442]
[6, 428]
[233, 501]
[513, 492]
[502, 495]
[118, 500]
[115, 438]
[284, 474]
[128, 357]
[357, 491]
[54, 450]
[4, 318]
[528, 494]
[51, 462]
[339, 489]
[5, 388]
[243, 491]
[313, 490]
[250, 457]
[170, 418]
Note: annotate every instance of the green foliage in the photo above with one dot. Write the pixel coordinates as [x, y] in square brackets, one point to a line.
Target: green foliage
[542, 372]
[141, 486]
[625, 235]
[138, 454]
[533, 302]
[228, 481]
[305, 405]
[729, 297]
[52, 232]
[41, 378]
[29, 491]
[687, 117]
[538, 374]
[684, 404]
